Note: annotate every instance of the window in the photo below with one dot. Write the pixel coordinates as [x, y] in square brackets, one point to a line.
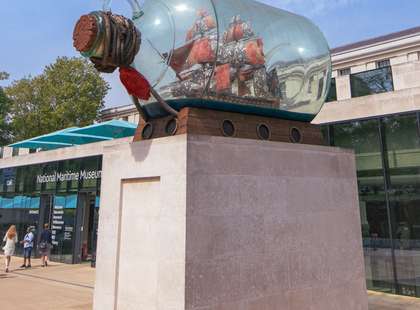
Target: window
[9, 179]
[364, 138]
[345, 71]
[31, 151]
[383, 63]
[125, 118]
[388, 172]
[371, 82]
[59, 200]
[15, 152]
[332, 93]
[49, 169]
[402, 150]
[91, 165]
[1, 152]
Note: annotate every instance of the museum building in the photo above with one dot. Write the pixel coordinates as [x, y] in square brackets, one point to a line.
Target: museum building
[59, 185]
[373, 107]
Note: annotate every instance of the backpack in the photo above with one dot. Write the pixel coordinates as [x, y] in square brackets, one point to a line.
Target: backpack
[43, 245]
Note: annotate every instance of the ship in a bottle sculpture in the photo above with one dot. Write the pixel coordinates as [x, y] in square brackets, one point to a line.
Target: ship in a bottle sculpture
[237, 56]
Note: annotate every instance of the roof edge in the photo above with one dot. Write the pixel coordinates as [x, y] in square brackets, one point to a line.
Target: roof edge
[376, 40]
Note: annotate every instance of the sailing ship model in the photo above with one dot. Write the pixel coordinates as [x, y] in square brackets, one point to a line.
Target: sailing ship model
[235, 68]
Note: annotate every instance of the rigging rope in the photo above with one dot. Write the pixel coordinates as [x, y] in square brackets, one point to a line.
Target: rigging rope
[121, 43]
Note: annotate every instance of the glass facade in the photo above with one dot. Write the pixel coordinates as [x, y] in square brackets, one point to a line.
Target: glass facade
[371, 82]
[388, 169]
[64, 194]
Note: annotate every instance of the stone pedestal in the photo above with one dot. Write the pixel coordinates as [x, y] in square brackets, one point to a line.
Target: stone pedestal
[212, 223]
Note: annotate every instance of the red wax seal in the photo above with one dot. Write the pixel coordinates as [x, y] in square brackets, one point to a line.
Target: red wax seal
[135, 83]
[85, 32]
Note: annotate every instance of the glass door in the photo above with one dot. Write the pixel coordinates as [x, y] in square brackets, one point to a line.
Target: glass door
[45, 212]
[63, 227]
[85, 223]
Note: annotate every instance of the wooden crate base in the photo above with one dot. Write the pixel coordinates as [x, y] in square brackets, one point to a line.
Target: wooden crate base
[210, 123]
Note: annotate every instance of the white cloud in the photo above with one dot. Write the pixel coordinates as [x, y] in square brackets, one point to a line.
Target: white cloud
[310, 7]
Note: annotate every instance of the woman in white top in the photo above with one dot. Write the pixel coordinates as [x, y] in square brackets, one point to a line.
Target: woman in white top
[9, 249]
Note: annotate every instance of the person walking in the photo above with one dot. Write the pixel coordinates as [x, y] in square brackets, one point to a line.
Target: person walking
[28, 245]
[9, 249]
[45, 245]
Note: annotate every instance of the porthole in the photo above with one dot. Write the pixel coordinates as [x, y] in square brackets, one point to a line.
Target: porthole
[295, 135]
[171, 127]
[263, 132]
[147, 131]
[228, 129]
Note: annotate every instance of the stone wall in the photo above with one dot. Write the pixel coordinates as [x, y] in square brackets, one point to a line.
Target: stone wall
[212, 223]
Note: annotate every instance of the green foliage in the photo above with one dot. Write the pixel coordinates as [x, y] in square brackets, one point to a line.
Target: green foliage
[5, 135]
[4, 75]
[70, 92]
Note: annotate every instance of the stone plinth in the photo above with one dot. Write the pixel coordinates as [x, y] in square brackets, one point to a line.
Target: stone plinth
[211, 223]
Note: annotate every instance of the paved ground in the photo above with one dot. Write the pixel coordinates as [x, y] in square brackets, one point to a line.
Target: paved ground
[381, 301]
[70, 287]
[64, 287]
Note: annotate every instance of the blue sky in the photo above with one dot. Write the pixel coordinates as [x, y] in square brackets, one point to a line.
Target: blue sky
[33, 33]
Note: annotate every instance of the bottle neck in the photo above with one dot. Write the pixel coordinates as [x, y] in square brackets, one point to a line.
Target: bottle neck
[135, 6]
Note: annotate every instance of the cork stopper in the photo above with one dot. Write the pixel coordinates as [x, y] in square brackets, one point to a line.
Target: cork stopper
[85, 33]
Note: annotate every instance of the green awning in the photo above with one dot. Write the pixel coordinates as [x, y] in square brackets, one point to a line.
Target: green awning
[113, 129]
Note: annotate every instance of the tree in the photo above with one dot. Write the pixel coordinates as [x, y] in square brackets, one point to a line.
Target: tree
[69, 92]
[5, 134]
[4, 75]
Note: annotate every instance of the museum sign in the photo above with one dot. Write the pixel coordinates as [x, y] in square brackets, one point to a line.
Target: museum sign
[68, 176]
